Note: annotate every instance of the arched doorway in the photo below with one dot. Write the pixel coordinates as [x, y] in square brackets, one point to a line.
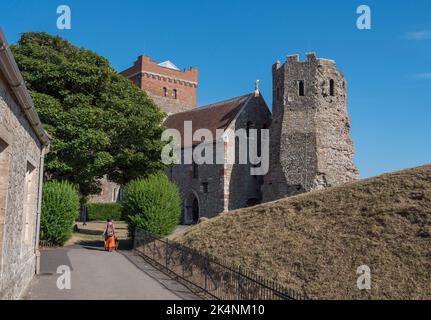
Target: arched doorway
[195, 210]
[192, 212]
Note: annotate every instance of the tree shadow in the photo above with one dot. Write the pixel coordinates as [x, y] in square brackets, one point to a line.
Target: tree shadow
[91, 244]
[90, 232]
[98, 245]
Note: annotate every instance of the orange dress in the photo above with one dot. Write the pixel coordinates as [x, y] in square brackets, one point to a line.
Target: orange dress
[110, 241]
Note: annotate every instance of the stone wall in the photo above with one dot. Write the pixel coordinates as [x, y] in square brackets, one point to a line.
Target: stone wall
[210, 199]
[228, 186]
[310, 143]
[244, 189]
[19, 166]
[110, 192]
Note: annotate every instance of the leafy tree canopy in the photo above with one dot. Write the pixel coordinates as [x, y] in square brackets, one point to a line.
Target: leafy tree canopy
[100, 122]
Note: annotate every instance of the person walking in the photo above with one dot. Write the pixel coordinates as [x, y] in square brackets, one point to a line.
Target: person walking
[109, 234]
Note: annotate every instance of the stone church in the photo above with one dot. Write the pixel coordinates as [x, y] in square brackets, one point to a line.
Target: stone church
[310, 146]
[23, 144]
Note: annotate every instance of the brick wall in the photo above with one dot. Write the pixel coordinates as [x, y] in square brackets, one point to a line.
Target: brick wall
[160, 82]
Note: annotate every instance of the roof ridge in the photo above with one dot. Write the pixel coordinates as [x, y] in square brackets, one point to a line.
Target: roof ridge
[212, 105]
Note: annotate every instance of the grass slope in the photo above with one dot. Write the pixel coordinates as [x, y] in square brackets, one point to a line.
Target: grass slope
[315, 242]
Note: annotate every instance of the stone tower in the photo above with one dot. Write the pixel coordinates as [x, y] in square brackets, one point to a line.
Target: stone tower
[310, 146]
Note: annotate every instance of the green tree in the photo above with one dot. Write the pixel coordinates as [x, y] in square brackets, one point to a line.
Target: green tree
[152, 204]
[100, 122]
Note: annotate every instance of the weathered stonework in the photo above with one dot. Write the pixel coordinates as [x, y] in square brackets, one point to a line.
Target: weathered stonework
[310, 143]
[221, 187]
[18, 203]
[244, 189]
[23, 144]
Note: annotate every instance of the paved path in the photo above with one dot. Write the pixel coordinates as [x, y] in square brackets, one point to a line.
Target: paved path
[99, 275]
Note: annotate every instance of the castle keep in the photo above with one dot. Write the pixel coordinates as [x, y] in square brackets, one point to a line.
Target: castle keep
[310, 146]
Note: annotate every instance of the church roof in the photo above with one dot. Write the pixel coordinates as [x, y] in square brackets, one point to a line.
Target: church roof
[168, 64]
[212, 117]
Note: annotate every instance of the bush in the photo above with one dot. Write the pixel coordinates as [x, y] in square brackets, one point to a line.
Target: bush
[60, 204]
[103, 211]
[153, 204]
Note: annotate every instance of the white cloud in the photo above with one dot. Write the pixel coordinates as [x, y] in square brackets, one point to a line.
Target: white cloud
[426, 76]
[419, 35]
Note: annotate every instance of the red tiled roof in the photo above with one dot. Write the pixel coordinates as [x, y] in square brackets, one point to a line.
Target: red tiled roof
[211, 117]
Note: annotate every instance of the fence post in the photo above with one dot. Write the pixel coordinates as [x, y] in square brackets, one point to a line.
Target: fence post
[183, 261]
[239, 283]
[135, 238]
[206, 272]
[166, 253]
[154, 249]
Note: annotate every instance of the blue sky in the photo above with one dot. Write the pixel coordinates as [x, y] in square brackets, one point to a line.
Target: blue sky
[233, 43]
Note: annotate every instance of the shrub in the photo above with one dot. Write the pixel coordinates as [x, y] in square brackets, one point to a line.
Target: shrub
[153, 204]
[103, 211]
[60, 203]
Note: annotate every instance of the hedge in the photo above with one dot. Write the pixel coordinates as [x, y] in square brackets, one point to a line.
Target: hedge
[153, 204]
[103, 211]
[60, 204]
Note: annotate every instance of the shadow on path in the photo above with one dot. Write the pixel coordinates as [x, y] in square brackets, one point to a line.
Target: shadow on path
[124, 244]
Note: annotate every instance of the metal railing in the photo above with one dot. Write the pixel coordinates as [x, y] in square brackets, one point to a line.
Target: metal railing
[213, 276]
[47, 244]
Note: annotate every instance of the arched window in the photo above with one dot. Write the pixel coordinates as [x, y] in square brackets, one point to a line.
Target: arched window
[301, 88]
[175, 93]
[332, 87]
[165, 91]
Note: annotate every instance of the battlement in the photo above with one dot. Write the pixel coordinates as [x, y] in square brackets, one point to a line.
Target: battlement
[309, 57]
[172, 89]
[145, 64]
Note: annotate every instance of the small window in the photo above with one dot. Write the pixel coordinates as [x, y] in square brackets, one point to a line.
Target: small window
[332, 87]
[205, 187]
[175, 93]
[301, 88]
[165, 91]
